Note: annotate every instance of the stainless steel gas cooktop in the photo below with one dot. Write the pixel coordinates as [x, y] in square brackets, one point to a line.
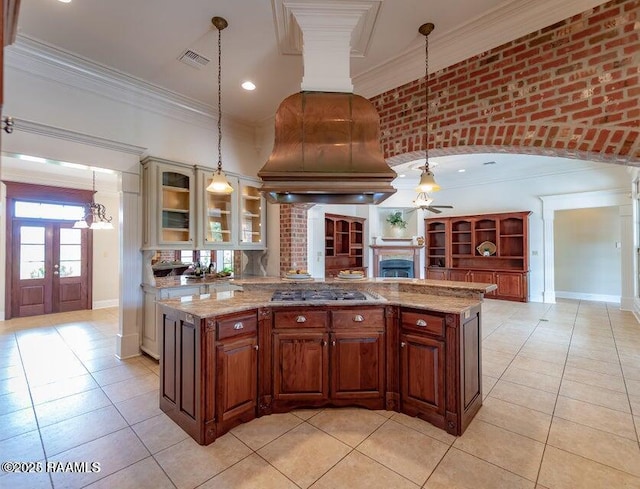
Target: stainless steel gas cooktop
[319, 295]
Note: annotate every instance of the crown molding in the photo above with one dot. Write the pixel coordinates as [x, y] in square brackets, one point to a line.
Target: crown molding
[511, 20]
[76, 137]
[44, 61]
[289, 33]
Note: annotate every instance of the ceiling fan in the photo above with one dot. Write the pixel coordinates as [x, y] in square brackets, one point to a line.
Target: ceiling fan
[423, 201]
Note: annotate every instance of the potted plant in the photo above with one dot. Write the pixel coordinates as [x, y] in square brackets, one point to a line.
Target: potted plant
[397, 222]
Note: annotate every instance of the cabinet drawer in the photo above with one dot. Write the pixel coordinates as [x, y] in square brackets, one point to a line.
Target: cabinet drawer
[236, 326]
[348, 318]
[422, 322]
[300, 318]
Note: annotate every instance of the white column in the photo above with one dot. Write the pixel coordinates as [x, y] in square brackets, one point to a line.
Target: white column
[128, 339]
[627, 262]
[549, 292]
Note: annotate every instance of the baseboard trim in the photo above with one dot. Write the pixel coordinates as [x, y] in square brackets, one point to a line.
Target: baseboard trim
[588, 297]
[127, 346]
[105, 304]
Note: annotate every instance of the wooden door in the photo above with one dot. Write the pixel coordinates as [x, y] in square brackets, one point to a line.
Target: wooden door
[357, 364]
[50, 271]
[422, 368]
[237, 381]
[300, 370]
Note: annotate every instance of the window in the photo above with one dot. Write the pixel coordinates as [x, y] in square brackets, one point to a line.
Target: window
[43, 210]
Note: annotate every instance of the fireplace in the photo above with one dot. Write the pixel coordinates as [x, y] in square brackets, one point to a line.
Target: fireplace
[396, 268]
[396, 261]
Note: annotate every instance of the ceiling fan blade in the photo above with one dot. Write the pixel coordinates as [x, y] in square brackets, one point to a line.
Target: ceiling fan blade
[433, 209]
[442, 206]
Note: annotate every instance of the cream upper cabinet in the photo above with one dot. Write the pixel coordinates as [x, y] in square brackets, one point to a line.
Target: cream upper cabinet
[169, 205]
[217, 214]
[179, 213]
[252, 215]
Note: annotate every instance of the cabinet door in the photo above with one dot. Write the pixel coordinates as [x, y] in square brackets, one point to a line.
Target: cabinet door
[511, 285]
[252, 215]
[217, 229]
[176, 204]
[422, 370]
[483, 277]
[437, 273]
[300, 368]
[458, 275]
[357, 364]
[237, 377]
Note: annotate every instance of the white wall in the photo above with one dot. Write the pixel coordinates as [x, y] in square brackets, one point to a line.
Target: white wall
[587, 261]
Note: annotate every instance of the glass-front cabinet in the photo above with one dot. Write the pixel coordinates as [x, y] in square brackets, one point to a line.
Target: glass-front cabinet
[169, 204]
[252, 214]
[218, 213]
[179, 213]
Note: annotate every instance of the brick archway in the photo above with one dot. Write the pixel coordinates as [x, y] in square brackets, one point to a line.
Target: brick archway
[571, 90]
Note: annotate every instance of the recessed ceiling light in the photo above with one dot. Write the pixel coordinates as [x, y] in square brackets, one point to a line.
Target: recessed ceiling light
[461, 170]
[64, 1]
[248, 85]
[402, 175]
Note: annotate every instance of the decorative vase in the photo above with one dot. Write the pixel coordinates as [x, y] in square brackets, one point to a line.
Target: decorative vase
[397, 231]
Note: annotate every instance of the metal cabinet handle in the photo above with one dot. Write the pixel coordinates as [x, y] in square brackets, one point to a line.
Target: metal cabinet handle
[238, 326]
[323, 343]
[333, 343]
[301, 319]
[255, 347]
[402, 344]
[421, 322]
[358, 318]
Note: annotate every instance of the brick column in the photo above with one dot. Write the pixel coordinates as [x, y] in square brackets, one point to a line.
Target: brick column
[293, 236]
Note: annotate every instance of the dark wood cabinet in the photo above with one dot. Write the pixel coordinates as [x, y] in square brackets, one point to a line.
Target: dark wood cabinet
[440, 370]
[236, 378]
[422, 368]
[344, 244]
[333, 357]
[218, 372]
[484, 248]
[300, 370]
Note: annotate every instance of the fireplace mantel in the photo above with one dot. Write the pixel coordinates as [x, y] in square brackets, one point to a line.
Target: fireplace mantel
[412, 252]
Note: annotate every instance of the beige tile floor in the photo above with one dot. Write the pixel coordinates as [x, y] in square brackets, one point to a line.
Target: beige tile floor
[561, 410]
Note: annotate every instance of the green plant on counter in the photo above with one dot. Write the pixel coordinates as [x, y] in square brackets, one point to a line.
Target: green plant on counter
[396, 220]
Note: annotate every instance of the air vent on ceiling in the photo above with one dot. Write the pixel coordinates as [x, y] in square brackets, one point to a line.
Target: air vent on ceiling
[193, 59]
[489, 163]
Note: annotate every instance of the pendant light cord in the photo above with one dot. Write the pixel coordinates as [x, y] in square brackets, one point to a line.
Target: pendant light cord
[219, 100]
[426, 102]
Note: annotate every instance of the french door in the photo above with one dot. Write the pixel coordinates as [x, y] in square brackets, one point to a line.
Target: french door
[50, 268]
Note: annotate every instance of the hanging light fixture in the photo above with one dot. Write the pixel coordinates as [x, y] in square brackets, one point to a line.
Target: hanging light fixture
[427, 182]
[95, 216]
[219, 184]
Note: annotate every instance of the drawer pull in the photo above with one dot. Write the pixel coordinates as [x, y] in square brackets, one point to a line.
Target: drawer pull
[358, 318]
[301, 319]
[238, 326]
[421, 322]
[402, 344]
[255, 347]
[323, 343]
[333, 343]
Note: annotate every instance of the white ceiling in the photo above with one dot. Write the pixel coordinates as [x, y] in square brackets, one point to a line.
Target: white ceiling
[144, 39]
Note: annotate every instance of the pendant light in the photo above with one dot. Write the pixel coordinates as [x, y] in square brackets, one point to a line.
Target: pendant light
[95, 213]
[219, 184]
[427, 182]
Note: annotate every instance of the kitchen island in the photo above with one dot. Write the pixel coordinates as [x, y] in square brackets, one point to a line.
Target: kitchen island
[405, 345]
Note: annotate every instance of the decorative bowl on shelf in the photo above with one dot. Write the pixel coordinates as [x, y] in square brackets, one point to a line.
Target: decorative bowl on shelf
[298, 275]
[486, 248]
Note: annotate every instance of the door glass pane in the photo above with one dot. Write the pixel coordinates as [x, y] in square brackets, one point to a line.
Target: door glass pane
[70, 252]
[70, 236]
[31, 252]
[70, 268]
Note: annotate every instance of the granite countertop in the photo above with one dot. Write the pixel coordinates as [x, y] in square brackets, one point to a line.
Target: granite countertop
[178, 281]
[208, 305]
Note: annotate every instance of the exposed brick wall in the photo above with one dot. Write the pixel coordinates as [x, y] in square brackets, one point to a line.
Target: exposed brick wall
[293, 236]
[571, 89]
